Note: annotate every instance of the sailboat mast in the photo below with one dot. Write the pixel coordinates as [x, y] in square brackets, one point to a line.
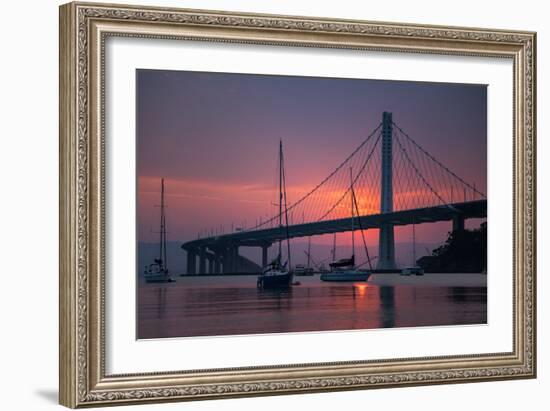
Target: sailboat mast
[308, 251]
[164, 258]
[286, 208]
[414, 245]
[334, 247]
[280, 190]
[308, 243]
[352, 213]
[161, 233]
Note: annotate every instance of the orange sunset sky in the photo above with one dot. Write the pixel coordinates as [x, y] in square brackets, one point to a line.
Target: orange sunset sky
[214, 138]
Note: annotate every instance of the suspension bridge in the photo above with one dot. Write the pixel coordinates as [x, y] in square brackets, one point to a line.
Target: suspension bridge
[396, 181]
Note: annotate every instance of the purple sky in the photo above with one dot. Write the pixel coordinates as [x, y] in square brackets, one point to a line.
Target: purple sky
[214, 137]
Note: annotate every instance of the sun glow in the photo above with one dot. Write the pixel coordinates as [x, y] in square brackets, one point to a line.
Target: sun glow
[361, 289]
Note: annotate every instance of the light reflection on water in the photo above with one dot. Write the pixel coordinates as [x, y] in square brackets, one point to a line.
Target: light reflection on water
[233, 305]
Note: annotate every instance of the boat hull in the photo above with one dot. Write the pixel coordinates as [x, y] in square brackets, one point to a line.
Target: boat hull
[283, 280]
[345, 276]
[304, 273]
[159, 278]
[412, 271]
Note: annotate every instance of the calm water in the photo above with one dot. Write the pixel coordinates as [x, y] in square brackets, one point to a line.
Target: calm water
[206, 306]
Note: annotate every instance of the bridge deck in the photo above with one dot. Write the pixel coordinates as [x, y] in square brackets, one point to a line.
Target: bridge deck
[469, 209]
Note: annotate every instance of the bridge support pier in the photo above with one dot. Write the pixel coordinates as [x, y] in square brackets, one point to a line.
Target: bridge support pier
[202, 260]
[386, 243]
[231, 259]
[228, 258]
[191, 262]
[458, 223]
[223, 258]
[235, 258]
[210, 266]
[386, 248]
[217, 263]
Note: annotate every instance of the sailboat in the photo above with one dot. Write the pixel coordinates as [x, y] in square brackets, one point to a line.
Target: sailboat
[276, 274]
[345, 268]
[157, 272]
[301, 269]
[414, 268]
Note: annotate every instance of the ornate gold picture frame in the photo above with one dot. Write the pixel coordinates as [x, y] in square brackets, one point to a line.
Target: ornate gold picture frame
[84, 30]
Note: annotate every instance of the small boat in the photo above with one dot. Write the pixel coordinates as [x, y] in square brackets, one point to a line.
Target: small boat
[345, 269]
[301, 269]
[413, 270]
[157, 272]
[276, 275]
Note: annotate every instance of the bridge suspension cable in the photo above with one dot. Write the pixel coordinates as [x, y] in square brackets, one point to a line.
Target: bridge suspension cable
[441, 165]
[301, 200]
[418, 179]
[395, 174]
[355, 179]
[416, 170]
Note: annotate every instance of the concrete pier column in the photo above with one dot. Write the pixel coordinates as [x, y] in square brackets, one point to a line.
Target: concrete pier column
[191, 262]
[386, 243]
[264, 255]
[226, 260]
[386, 248]
[217, 263]
[202, 260]
[210, 266]
[458, 223]
[235, 258]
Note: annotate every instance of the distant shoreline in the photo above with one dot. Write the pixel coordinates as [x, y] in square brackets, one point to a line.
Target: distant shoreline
[373, 274]
[378, 279]
[430, 279]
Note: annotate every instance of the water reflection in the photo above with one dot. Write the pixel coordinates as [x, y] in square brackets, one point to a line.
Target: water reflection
[161, 302]
[387, 303]
[467, 294]
[230, 306]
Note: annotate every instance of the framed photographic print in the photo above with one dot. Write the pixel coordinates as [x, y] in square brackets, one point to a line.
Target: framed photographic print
[259, 204]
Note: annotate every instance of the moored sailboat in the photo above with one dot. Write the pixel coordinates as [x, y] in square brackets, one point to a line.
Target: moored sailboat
[345, 268]
[157, 272]
[301, 269]
[276, 274]
[414, 269]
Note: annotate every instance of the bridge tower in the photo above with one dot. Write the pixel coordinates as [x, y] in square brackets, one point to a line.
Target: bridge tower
[386, 243]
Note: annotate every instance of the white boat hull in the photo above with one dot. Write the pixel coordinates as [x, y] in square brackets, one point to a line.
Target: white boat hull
[158, 278]
[412, 271]
[346, 276]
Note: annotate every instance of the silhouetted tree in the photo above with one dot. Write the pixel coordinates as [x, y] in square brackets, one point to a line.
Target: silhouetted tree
[465, 251]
